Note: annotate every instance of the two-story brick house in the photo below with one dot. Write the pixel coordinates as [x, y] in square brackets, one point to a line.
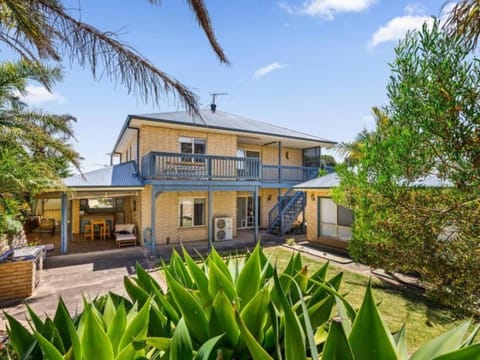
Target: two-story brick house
[177, 175]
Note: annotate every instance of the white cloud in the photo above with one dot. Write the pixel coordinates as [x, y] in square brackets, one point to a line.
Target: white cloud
[39, 94]
[396, 28]
[415, 9]
[285, 7]
[328, 8]
[268, 69]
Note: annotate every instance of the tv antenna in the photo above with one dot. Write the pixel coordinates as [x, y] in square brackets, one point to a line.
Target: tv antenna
[213, 106]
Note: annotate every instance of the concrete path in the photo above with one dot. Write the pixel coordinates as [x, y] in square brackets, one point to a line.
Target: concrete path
[75, 276]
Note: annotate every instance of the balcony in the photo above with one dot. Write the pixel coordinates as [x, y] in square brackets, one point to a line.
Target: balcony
[287, 174]
[175, 166]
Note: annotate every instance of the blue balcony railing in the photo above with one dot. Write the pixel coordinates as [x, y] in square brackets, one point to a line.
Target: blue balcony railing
[176, 166]
[287, 174]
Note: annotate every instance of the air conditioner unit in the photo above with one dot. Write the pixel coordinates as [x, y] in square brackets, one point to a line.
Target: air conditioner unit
[223, 228]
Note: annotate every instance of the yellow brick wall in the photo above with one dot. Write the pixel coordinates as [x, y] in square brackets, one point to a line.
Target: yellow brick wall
[167, 209]
[166, 140]
[270, 156]
[17, 280]
[75, 204]
[311, 212]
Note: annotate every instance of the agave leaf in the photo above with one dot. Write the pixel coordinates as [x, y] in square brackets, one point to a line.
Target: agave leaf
[49, 350]
[401, 341]
[179, 271]
[342, 314]
[20, 337]
[320, 312]
[318, 275]
[159, 343]
[308, 325]
[206, 350]
[447, 342]
[337, 345]
[37, 322]
[181, 346]
[471, 352]
[51, 333]
[108, 311]
[136, 293]
[136, 329]
[301, 278]
[199, 277]
[60, 322]
[469, 340]
[95, 343]
[235, 267]
[266, 265]
[294, 337]
[254, 314]
[72, 333]
[145, 280]
[217, 281]
[222, 320]
[118, 299]
[256, 350]
[215, 258]
[163, 303]
[194, 315]
[370, 337]
[248, 281]
[117, 327]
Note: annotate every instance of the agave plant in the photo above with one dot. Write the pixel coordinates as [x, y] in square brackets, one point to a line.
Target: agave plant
[234, 309]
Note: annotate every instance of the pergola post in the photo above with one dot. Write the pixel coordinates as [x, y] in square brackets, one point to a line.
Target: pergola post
[64, 225]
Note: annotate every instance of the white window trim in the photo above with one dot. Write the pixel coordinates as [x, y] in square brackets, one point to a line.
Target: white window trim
[192, 140]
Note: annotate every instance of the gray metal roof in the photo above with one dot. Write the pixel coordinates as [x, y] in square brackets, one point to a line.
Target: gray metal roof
[432, 181]
[323, 182]
[226, 121]
[332, 180]
[120, 175]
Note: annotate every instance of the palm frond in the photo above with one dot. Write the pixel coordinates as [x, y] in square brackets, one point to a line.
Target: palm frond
[203, 19]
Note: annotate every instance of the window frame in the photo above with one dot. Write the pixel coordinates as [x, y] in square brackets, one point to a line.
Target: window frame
[203, 201]
[183, 139]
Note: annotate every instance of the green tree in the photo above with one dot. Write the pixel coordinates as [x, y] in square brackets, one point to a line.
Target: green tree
[34, 146]
[45, 30]
[429, 131]
[328, 160]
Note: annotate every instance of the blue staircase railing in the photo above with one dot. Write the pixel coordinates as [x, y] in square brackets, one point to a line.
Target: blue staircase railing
[284, 213]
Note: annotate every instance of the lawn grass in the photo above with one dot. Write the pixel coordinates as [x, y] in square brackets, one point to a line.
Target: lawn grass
[424, 321]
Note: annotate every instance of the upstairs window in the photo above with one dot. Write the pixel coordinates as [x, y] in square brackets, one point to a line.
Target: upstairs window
[192, 146]
[311, 157]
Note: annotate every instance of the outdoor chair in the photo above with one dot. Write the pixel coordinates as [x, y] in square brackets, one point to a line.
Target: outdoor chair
[125, 235]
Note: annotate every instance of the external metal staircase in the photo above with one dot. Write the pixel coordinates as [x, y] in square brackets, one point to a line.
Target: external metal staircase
[284, 213]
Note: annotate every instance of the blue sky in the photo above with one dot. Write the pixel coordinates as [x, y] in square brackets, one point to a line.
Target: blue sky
[317, 66]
